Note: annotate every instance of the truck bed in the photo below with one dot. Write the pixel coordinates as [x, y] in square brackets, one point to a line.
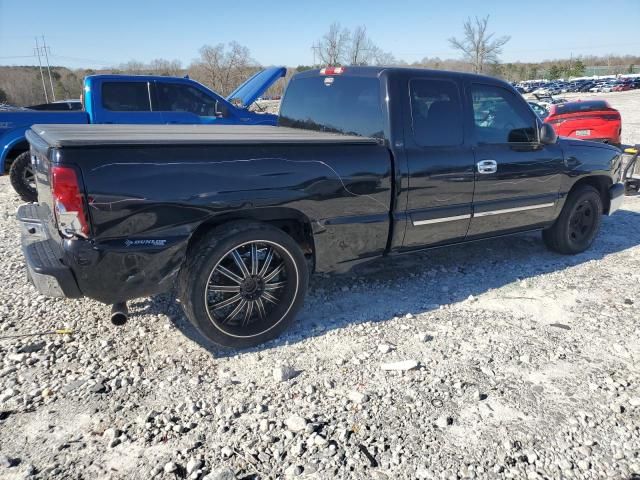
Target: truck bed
[59, 136]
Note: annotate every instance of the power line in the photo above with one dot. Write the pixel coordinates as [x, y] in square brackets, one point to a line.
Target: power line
[46, 56]
[87, 60]
[18, 56]
[44, 88]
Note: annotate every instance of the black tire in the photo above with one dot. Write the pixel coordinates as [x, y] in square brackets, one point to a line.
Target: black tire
[202, 278]
[22, 179]
[578, 224]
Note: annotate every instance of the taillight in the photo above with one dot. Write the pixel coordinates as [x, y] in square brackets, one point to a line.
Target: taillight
[611, 116]
[68, 202]
[332, 71]
[554, 121]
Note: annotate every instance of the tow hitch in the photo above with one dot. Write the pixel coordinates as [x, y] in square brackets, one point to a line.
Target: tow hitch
[631, 171]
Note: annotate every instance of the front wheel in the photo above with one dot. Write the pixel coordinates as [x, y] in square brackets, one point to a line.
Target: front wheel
[243, 284]
[22, 178]
[578, 223]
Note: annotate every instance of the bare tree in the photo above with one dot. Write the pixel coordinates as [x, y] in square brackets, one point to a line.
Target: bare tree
[223, 69]
[382, 58]
[236, 62]
[332, 47]
[361, 48]
[133, 67]
[478, 46]
[209, 67]
[161, 66]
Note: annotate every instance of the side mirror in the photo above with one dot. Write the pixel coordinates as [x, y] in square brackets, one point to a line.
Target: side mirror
[548, 135]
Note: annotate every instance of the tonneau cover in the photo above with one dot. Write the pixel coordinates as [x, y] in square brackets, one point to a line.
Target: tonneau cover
[91, 135]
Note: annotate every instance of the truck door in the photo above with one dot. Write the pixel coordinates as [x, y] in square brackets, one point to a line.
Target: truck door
[440, 163]
[517, 177]
[126, 101]
[181, 103]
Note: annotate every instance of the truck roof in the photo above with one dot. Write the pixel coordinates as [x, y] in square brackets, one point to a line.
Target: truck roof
[90, 135]
[128, 76]
[376, 71]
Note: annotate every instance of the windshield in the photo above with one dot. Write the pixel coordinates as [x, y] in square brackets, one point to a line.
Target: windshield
[339, 104]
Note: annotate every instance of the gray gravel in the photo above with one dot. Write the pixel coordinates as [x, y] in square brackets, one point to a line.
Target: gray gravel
[492, 360]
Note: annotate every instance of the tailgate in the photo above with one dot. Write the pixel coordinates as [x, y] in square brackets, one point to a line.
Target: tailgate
[40, 159]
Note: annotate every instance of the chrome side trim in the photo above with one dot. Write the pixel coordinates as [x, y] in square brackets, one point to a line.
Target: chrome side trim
[417, 223]
[516, 209]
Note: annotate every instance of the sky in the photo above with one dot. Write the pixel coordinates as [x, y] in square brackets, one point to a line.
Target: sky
[107, 33]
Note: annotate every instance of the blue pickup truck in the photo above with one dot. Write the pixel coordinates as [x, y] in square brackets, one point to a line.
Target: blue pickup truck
[133, 99]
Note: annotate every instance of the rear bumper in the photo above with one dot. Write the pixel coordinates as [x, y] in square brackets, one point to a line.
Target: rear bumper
[43, 256]
[616, 196]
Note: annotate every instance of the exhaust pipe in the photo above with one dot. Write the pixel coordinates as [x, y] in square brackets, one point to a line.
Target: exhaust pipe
[119, 314]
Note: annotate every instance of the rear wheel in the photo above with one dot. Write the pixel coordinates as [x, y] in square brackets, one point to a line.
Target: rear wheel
[578, 224]
[243, 284]
[22, 177]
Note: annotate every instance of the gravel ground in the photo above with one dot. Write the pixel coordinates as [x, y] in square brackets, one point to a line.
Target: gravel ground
[496, 359]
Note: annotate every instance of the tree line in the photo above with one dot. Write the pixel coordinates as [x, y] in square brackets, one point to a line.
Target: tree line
[222, 67]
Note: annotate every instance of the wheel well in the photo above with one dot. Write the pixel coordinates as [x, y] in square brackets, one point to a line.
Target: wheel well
[16, 150]
[600, 183]
[292, 222]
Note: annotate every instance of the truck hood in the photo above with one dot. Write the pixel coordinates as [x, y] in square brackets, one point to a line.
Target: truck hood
[249, 91]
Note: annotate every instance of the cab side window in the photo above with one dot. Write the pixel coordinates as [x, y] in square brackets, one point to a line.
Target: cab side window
[126, 96]
[436, 113]
[500, 117]
[173, 97]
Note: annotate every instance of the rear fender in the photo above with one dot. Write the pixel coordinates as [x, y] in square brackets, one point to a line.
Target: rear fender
[293, 222]
[12, 142]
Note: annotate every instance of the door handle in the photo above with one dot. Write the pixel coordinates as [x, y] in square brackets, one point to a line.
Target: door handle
[487, 166]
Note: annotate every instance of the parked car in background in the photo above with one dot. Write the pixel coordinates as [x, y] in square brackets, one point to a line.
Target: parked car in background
[586, 87]
[588, 120]
[132, 99]
[547, 100]
[609, 86]
[540, 109]
[623, 86]
[365, 162]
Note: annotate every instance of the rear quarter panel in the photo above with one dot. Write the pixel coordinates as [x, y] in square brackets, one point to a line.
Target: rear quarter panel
[145, 202]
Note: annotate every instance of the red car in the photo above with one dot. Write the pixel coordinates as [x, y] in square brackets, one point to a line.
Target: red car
[587, 120]
[623, 87]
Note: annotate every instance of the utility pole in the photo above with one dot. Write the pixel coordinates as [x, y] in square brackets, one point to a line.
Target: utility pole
[44, 88]
[46, 56]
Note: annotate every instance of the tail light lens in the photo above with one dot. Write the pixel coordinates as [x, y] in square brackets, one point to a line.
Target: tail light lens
[611, 116]
[68, 202]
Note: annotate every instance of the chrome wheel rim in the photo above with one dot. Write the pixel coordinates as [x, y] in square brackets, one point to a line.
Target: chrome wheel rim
[248, 290]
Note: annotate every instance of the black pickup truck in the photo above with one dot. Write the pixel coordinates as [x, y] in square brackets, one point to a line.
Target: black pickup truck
[365, 162]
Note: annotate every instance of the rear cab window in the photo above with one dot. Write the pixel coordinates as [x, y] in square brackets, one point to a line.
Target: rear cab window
[436, 113]
[126, 96]
[344, 104]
